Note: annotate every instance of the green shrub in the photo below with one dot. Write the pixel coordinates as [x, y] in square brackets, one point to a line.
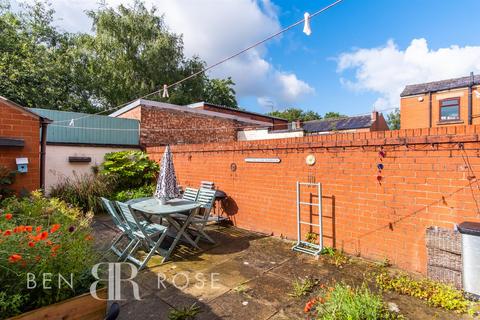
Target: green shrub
[41, 236]
[436, 294]
[84, 190]
[141, 192]
[344, 302]
[131, 169]
[7, 177]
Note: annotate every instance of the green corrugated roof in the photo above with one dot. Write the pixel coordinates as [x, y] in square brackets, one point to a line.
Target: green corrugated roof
[91, 129]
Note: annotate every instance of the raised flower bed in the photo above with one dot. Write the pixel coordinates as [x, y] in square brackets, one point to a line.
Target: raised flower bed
[46, 255]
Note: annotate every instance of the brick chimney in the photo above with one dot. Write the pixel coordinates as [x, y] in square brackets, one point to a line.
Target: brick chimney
[374, 117]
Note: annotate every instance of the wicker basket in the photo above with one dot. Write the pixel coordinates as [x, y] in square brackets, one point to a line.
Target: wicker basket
[444, 250]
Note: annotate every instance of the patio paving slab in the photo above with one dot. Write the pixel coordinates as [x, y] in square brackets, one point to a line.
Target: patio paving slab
[253, 276]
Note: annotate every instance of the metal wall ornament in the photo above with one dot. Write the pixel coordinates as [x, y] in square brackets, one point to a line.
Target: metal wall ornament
[233, 167]
[310, 160]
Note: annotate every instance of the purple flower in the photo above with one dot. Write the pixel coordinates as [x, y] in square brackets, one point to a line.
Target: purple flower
[71, 229]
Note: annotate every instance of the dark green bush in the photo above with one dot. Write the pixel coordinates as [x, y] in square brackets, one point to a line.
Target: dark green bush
[141, 192]
[130, 169]
[7, 177]
[42, 236]
[84, 191]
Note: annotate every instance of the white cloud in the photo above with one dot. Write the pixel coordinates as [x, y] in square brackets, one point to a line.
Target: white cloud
[215, 29]
[386, 70]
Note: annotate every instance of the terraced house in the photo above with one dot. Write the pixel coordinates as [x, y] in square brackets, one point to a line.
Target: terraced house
[441, 103]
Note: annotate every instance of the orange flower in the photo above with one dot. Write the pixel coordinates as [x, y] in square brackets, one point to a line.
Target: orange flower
[38, 229]
[44, 235]
[8, 216]
[14, 258]
[21, 228]
[7, 232]
[309, 305]
[54, 228]
[53, 254]
[37, 258]
[55, 248]
[29, 228]
[49, 242]
[15, 230]
[88, 237]
[31, 244]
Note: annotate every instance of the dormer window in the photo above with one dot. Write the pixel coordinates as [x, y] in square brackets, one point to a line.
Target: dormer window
[450, 109]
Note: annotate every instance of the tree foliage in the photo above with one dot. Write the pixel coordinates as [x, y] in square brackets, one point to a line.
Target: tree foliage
[292, 114]
[220, 91]
[333, 115]
[393, 120]
[130, 53]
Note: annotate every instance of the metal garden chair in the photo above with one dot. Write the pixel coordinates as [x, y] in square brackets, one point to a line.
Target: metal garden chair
[206, 198]
[145, 233]
[124, 228]
[190, 194]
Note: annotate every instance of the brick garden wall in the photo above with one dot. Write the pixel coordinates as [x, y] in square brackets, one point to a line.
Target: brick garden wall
[17, 124]
[165, 126]
[429, 179]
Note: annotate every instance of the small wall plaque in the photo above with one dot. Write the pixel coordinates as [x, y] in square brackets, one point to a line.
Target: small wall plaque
[263, 160]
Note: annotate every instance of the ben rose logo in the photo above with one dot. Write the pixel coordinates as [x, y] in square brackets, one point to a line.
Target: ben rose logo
[119, 273]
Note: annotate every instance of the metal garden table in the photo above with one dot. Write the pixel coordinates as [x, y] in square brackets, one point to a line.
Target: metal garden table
[153, 207]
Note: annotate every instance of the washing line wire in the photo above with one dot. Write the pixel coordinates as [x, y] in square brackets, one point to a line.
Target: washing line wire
[215, 64]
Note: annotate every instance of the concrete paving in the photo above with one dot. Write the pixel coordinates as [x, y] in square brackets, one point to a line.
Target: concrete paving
[243, 276]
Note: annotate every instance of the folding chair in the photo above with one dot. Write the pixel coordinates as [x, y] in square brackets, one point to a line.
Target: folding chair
[145, 233]
[206, 198]
[124, 228]
[190, 194]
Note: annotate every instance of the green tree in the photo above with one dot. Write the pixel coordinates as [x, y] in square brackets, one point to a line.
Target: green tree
[220, 91]
[292, 114]
[393, 120]
[36, 61]
[133, 53]
[130, 53]
[331, 114]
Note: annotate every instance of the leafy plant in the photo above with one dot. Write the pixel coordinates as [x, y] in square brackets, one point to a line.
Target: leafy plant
[7, 178]
[302, 287]
[130, 169]
[40, 236]
[84, 190]
[344, 302]
[143, 191]
[337, 257]
[435, 293]
[311, 237]
[185, 313]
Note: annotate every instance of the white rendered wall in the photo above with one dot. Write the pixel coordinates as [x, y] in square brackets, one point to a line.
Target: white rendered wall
[264, 134]
[57, 164]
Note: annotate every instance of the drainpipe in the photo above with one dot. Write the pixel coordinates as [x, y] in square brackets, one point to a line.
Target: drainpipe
[430, 109]
[470, 89]
[43, 151]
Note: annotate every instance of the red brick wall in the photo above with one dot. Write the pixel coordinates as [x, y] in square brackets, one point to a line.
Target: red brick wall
[166, 126]
[17, 124]
[428, 180]
[278, 124]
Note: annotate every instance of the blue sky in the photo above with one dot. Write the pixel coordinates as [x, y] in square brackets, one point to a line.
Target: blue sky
[359, 57]
[357, 24]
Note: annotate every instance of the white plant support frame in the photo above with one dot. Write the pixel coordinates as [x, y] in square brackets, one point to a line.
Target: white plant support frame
[304, 246]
